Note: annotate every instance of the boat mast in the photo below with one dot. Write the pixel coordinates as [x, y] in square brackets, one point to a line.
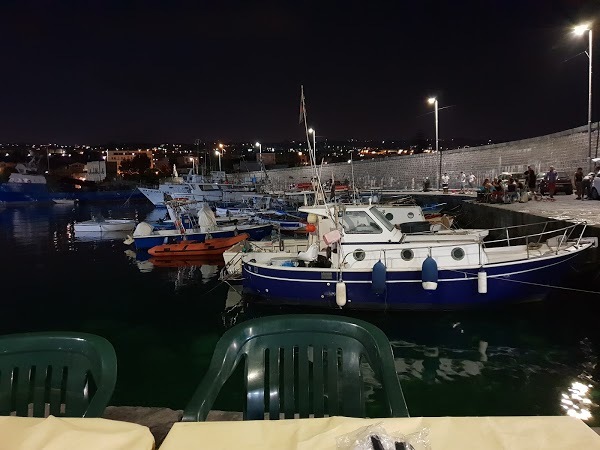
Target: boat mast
[312, 152]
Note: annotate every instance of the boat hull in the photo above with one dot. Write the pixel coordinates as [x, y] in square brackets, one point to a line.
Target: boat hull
[256, 233]
[104, 227]
[24, 193]
[18, 193]
[506, 284]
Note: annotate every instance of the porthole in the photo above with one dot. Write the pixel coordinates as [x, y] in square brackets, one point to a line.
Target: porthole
[411, 215]
[389, 216]
[359, 254]
[458, 253]
[407, 254]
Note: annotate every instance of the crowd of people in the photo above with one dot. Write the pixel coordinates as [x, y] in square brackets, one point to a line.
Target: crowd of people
[511, 190]
[516, 187]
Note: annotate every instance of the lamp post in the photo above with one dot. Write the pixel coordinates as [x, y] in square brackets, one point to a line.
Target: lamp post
[259, 145]
[579, 30]
[433, 101]
[314, 133]
[218, 153]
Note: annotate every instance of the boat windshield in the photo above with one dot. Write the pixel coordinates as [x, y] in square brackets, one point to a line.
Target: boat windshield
[386, 223]
[359, 222]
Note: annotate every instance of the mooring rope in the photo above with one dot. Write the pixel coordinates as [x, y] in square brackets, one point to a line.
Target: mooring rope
[466, 274]
[551, 286]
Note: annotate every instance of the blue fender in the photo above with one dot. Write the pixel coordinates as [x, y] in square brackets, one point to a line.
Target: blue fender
[378, 278]
[429, 274]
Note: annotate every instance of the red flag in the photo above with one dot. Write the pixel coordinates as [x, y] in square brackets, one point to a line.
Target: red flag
[302, 106]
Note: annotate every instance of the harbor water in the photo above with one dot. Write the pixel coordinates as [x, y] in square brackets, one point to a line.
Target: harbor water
[531, 359]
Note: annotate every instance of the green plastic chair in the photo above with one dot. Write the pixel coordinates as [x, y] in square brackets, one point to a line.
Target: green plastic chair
[62, 374]
[301, 366]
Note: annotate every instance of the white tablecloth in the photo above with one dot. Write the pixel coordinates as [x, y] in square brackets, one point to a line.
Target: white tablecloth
[445, 433]
[52, 433]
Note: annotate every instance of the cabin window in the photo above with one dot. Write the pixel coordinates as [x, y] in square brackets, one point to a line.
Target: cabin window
[358, 254]
[407, 254]
[359, 222]
[389, 216]
[381, 218]
[458, 253]
[411, 215]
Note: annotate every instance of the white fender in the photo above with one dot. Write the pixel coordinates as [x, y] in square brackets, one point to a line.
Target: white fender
[482, 282]
[340, 293]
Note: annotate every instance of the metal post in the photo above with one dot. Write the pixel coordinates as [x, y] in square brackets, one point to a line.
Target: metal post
[590, 103]
[437, 143]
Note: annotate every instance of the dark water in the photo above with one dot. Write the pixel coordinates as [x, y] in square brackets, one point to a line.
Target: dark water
[164, 323]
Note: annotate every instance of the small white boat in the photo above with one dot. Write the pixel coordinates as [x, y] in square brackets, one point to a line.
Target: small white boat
[101, 225]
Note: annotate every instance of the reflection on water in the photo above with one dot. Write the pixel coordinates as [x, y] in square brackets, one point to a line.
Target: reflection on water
[182, 271]
[576, 402]
[164, 318]
[93, 236]
[426, 364]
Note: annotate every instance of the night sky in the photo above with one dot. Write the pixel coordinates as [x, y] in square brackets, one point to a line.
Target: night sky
[91, 72]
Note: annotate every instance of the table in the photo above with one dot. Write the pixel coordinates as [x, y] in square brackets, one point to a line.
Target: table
[53, 433]
[445, 433]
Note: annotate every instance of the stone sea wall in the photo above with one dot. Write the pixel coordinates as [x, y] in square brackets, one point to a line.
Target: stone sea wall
[565, 150]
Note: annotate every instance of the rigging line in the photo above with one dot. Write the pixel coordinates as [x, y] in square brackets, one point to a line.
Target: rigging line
[551, 286]
[584, 52]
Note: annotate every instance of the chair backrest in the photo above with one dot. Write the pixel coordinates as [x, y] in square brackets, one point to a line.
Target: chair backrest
[59, 373]
[306, 365]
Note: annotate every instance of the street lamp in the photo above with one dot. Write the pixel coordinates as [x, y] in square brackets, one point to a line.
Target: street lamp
[579, 30]
[314, 133]
[259, 145]
[218, 153]
[433, 101]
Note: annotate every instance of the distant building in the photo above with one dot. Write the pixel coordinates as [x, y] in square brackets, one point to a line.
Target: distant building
[267, 158]
[118, 156]
[96, 171]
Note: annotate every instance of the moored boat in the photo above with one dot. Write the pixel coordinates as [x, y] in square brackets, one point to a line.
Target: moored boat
[357, 259]
[205, 226]
[187, 249]
[102, 225]
[28, 188]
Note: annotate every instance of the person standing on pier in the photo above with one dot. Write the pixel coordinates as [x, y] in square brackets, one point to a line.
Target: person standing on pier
[578, 179]
[445, 181]
[551, 177]
[530, 178]
[472, 181]
[463, 181]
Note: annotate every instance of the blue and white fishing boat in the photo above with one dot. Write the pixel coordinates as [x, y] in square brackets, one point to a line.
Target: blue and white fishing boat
[357, 259]
[205, 226]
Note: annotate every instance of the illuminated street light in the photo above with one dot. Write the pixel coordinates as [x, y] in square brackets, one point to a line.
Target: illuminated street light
[218, 153]
[433, 101]
[579, 30]
[259, 145]
[314, 133]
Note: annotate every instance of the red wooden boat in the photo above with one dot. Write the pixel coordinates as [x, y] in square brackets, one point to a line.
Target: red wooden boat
[186, 249]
